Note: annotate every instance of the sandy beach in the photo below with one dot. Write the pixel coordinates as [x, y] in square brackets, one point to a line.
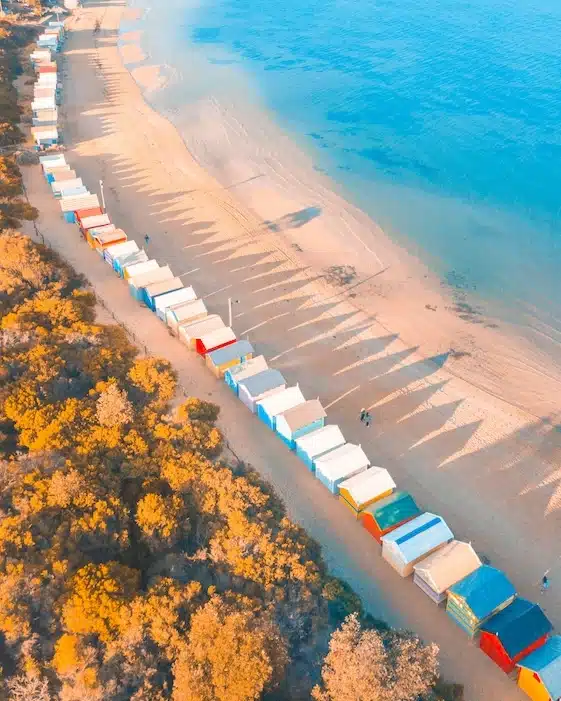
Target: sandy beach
[464, 415]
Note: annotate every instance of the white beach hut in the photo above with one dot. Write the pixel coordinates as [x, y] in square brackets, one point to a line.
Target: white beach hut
[153, 291]
[45, 118]
[214, 340]
[436, 573]
[269, 408]
[340, 464]
[185, 313]
[94, 221]
[64, 173]
[315, 444]
[364, 489]
[59, 187]
[253, 389]
[119, 250]
[299, 421]
[145, 266]
[188, 333]
[139, 282]
[249, 367]
[171, 299]
[415, 540]
[70, 205]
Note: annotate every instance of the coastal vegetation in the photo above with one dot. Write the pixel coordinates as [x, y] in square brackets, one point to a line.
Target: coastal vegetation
[137, 561]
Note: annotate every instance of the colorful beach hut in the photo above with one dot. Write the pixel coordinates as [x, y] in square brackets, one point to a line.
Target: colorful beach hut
[248, 368]
[90, 233]
[123, 262]
[185, 313]
[133, 269]
[52, 162]
[539, 674]
[70, 206]
[118, 250]
[105, 238]
[45, 137]
[299, 421]
[224, 358]
[256, 387]
[340, 464]
[514, 633]
[139, 282]
[410, 543]
[364, 489]
[189, 333]
[171, 299]
[59, 187]
[382, 517]
[152, 292]
[477, 597]
[439, 571]
[318, 443]
[93, 221]
[269, 408]
[215, 340]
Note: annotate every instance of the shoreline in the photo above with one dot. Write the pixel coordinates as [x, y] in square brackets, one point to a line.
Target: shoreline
[457, 450]
[321, 231]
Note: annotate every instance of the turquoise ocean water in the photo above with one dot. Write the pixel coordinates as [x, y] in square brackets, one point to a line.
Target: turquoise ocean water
[439, 118]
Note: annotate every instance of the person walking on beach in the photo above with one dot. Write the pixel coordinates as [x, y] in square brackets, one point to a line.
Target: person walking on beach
[367, 419]
[363, 414]
[544, 586]
[146, 239]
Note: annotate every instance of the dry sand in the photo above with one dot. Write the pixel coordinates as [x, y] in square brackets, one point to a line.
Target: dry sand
[490, 468]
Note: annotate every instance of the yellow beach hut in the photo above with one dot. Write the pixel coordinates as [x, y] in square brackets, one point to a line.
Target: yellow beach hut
[364, 489]
[220, 360]
[539, 674]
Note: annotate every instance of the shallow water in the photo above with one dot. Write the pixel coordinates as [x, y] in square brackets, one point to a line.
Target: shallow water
[438, 118]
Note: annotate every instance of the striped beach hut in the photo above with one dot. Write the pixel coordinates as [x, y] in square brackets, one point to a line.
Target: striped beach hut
[132, 269]
[93, 221]
[364, 489]
[172, 299]
[317, 443]
[215, 340]
[125, 248]
[90, 233]
[139, 282]
[70, 206]
[185, 313]
[224, 358]
[153, 291]
[439, 571]
[410, 543]
[269, 408]
[477, 597]
[514, 633]
[248, 368]
[539, 674]
[384, 516]
[189, 333]
[253, 389]
[340, 464]
[299, 421]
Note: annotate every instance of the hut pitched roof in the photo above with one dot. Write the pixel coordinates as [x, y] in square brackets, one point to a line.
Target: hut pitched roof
[518, 625]
[448, 565]
[263, 381]
[393, 509]
[419, 536]
[231, 352]
[304, 414]
[483, 590]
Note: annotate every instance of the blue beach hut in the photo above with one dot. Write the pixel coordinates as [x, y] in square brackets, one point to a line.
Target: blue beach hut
[253, 389]
[270, 407]
[299, 421]
[224, 358]
[139, 282]
[151, 292]
[317, 443]
[477, 597]
[233, 376]
[170, 299]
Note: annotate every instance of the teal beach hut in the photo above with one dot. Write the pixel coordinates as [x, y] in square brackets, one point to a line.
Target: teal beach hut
[299, 421]
[477, 597]
[269, 408]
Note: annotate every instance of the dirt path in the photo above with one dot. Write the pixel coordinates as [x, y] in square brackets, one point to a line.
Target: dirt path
[431, 430]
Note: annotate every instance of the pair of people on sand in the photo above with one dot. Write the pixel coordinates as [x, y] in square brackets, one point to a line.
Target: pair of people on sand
[365, 417]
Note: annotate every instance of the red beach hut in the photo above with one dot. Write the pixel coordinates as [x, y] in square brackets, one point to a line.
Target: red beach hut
[214, 340]
[84, 213]
[513, 633]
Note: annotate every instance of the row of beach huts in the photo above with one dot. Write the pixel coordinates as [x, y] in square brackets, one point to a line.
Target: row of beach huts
[514, 632]
[47, 88]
